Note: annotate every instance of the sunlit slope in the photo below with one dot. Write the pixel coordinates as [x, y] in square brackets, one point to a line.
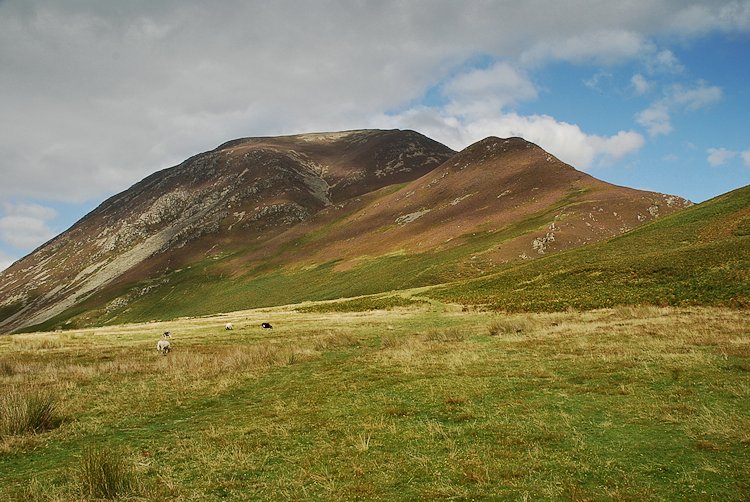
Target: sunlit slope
[698, 256]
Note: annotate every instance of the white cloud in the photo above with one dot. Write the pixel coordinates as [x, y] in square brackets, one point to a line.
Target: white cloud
[605, 46]
[476, 107]
[95, 95]
[25, 226]
[699, 19]
[29, 210]
[640, 84]
[720, 156]
[655, 119]
[483, 91]
[566, 141]
[746, 158]
[696, 97]
[5, 261]
[664, 61]
[596, 79]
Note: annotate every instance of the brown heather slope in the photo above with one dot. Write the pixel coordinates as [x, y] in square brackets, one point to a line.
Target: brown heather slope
[245, 191]
[511, 192]
[260, 206]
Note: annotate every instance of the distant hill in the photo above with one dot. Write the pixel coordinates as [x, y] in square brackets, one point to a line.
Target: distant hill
[267, 221]
[699, 256]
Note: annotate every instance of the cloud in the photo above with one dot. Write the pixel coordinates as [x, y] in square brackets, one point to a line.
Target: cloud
[25, 226]
[746, 158]
[29, 210]
[480, 91]
[96, 95]
[479, 103]
[640, 84]
[696, 97]
[594, 81]
[5, 261]
[564, 140]
[655, 119]
[720, 156]
[605, 46]
[663, 61]
[698, 19]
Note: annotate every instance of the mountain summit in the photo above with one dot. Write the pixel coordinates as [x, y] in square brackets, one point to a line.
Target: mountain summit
[271, 210]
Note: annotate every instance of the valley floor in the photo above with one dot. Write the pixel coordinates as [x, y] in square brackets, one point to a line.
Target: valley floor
[631, 403]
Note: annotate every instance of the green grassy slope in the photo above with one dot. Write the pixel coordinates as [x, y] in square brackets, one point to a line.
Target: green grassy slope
[697, 256]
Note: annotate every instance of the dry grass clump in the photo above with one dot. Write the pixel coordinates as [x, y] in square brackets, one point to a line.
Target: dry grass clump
[7, 368]
[638, 311]
[27, 411]
[36, 342]
[391, 341]
[106, 473]
[333, 340]
[512, 326]
[453, 334]
[250, 357]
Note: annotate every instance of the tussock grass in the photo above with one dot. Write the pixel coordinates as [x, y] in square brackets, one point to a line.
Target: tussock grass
[452, 334]
[26, 411]
[37, 342]
[7, 368]
[106, 473]
[512, 326]
[639, 311]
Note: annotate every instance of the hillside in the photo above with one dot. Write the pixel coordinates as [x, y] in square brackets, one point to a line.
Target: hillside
[245, 191]
[699, 256]
[270, 221]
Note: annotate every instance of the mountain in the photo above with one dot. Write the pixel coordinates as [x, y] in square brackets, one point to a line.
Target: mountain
[262, 221]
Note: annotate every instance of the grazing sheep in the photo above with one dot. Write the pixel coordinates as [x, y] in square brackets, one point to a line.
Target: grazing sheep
[229, 326]
[164, 346]
[167, 334]
[266, 325]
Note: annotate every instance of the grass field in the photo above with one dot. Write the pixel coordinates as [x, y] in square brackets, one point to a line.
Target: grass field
[422, 401]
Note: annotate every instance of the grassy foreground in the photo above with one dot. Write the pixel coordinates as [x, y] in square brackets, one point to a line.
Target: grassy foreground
[631, 403]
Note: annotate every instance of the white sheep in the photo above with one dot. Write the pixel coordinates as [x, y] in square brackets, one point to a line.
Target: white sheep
[229, 326]
[163, 346]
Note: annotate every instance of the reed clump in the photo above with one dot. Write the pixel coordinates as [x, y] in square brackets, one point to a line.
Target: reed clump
[27, 411]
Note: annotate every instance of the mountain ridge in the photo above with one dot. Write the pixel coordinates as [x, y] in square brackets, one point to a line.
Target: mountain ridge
[289, 202]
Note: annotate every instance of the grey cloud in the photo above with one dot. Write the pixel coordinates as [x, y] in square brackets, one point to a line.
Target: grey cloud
[95, 95]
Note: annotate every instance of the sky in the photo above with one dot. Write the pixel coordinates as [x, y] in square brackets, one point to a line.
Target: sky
[97, 94]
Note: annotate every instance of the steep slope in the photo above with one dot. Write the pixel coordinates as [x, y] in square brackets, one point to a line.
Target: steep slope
[700, 256]
[242, 193]
[487, 190]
